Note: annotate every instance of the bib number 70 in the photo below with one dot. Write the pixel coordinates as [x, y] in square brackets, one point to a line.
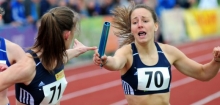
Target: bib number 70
[150, 73]
[152, 79]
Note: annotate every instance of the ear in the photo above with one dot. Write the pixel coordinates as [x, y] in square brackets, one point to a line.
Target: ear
[156, 25]
[66, 35]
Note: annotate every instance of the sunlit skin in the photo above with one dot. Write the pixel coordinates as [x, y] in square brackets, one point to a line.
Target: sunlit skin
[143, 28]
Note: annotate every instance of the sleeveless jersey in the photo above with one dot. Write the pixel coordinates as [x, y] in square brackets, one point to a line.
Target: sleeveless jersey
[142, 79]
[45, 89]
[3, 54]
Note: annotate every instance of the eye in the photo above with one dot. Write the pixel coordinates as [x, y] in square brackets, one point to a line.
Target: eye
[145, 21]
[134, 23]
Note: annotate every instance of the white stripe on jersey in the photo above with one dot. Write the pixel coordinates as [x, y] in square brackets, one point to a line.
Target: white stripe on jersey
[127, 88]
[2, 50]
[26, 97]
[38, 63]
[135, 54]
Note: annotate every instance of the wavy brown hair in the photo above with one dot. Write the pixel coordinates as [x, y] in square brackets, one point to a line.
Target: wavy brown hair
[122, 21]
[50, 36]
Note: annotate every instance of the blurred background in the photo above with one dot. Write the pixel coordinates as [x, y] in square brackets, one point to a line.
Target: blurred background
[181, 21]
[192, 25]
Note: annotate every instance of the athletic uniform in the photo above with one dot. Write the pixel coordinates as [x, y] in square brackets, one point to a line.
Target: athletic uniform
[141, 79]
[45, 89]
[3, 54]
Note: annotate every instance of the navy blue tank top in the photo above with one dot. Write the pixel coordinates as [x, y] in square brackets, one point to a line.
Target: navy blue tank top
[3, 54]
[142, 79]
[45, 89]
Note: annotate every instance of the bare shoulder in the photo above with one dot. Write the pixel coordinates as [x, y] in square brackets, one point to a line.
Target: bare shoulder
[14, 51]
[126, 49]
[169, 49]
[13, 46]
[172, 53]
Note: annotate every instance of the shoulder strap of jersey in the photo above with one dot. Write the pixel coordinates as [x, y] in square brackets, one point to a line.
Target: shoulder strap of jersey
[158, 47]
[134, 49]
[34, 55]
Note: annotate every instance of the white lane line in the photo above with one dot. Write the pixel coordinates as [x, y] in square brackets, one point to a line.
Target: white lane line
[91, 90]
[100, 72]
[179, 82]
[122, 102]
[207, 99]
[75, 77]
[200, 47]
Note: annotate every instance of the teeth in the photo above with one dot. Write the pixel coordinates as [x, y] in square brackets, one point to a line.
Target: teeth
[141, 33]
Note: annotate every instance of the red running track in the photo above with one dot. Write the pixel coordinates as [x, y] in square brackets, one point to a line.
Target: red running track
[90, 85]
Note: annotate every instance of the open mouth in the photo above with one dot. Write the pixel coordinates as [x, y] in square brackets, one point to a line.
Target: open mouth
[142, 33]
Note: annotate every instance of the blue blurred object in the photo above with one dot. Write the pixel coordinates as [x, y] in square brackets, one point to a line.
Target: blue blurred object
[104, 37]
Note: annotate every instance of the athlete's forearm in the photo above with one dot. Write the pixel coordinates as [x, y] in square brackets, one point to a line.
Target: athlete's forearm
[211, 69]
[113, 64]
[71, 53]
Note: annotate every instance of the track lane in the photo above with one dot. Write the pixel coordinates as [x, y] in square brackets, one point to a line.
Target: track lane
[99, 97]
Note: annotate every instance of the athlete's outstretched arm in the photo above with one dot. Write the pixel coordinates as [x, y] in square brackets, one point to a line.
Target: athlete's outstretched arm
[20, 72]
[193, 69]
[113, 63]
[78, 49]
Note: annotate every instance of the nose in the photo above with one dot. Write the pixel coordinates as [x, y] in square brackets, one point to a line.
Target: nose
[140, 24]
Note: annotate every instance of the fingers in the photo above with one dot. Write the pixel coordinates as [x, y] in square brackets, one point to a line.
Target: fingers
[216, 54]
[91, 48]
[77, 42]
[96, 59]
[3, 67]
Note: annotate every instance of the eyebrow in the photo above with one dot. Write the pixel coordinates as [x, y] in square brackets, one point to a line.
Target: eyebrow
[141, 17]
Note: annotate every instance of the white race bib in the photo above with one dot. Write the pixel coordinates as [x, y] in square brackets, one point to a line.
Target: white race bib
[153, 79]
[54, 91]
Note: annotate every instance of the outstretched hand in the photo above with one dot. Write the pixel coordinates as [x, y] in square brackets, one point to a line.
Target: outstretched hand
[80, 48]
[3, 67]
[216, 54]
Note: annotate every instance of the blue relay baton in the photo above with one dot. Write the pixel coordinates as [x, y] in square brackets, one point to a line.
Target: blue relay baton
[103, 40]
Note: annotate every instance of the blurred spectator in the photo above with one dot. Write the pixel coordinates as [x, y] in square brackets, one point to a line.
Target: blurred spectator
[44, 6]
[73, 5]
[106, 7]
[92, 8]
[183, 3]
[18, 12]
[7, 17]
[32, 10]
[62, 3]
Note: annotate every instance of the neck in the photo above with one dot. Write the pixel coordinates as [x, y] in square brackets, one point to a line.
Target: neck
[147, 48]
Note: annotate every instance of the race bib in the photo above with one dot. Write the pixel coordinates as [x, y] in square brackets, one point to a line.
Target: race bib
[54, 91]
[153, 79]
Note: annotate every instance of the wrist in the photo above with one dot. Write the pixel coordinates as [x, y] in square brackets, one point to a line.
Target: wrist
[216, 60]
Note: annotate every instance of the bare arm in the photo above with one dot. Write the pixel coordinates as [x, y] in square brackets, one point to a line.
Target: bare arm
[77, 50]
[14, 52]
[193, 69]
[112, 63]
[20, 72]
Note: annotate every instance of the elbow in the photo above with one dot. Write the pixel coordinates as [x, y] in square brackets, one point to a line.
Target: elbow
[205, 79]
